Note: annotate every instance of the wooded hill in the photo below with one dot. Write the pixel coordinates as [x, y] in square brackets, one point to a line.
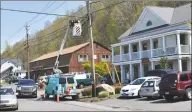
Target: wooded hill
[110, 18]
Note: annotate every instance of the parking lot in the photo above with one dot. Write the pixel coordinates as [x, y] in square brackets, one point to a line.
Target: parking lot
[142, 104]
[123, 104]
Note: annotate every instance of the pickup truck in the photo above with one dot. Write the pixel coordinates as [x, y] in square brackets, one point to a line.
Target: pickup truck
[81, 83]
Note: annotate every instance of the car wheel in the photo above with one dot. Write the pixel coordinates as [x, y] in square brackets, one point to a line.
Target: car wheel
[81, 85]
[169, 98]
[188, 94]
[16, 108]
[76, 97]
[139, 95]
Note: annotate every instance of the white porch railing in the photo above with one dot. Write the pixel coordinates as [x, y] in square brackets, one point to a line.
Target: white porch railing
[146, 54]
[125, 57]
[185, 49]
[158, 52]
[134, 55]
[116, 58]
[171, 50]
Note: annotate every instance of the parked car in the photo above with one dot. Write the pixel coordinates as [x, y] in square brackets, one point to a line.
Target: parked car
[61, 86]
[81, 83]
[8, 98]
[176, 84]
[132, 89]
[159, 72]
[26, 87]
[150, 89]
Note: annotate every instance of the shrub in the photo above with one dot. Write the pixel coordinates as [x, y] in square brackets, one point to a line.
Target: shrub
[117, 89]
[103, 94]
[86, 92]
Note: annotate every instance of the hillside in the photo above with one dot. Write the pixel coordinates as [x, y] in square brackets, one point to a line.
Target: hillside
[108, 24]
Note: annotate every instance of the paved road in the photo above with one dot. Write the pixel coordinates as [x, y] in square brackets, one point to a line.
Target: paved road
[142, 104]
[38, 104]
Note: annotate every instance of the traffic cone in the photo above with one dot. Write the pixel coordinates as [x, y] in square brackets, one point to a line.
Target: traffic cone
[57, 99]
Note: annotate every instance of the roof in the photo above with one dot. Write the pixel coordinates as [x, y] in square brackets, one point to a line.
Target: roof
[173, 15]
[161, 12]
[64, 51]
[182, 14]
[16, 62]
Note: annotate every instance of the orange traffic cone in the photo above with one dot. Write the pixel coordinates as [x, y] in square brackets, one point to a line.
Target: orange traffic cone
[57, 99]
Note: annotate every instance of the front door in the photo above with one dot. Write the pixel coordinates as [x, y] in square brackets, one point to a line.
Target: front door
[145, 68]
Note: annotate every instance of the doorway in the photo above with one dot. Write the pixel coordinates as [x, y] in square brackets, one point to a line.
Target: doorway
[145, 68]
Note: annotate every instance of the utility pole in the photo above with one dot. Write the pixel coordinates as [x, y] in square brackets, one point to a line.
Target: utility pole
[27, 35]
[92, 49]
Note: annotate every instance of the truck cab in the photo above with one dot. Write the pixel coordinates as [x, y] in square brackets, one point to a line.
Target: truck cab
[61, 86]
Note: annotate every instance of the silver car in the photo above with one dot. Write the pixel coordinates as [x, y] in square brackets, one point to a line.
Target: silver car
[150, 89]
[8, 99]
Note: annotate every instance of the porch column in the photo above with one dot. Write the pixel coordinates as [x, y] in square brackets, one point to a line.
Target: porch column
[130, 51]
[140, 49]
[152, 65]
[151, 47]
[179, 65]
[164, 45]
[121, 52]
[178, 44]
[190, 42]
[131, 72]
[122, 74]
[112, 54]
[141, 69]
[113, 76]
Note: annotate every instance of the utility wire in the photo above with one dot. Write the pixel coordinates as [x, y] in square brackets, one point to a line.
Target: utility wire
[44, 9]
[33, 12]
[50, 12]
[30, 20]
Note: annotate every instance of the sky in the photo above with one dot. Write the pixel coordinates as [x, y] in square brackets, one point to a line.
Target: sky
[12, 22]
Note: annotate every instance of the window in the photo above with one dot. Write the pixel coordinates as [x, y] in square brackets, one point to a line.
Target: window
[148, 84]
[70, 80]
[105, 58]
[62, 80]
[184, 65]
[155, 44]
[135, 48]
[149, 23]
[144, 46]
[82, 58]
[6, 91]
[183, 77]
[137, 82]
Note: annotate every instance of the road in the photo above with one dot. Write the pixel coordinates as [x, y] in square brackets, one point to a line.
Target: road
[127, 104]
[39, 104]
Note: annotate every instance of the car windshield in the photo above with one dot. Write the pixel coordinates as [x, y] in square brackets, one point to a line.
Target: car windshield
[6, 91]
[137, 82]
[26, 82]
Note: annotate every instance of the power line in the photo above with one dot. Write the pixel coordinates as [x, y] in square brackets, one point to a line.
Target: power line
[45, 8]
[34, 12]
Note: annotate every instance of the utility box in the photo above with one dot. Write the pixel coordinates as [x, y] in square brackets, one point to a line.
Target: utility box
[77, 29]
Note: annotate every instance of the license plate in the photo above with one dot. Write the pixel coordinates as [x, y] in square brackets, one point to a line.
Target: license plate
[166, 92]
[124, 94]
[26, 94]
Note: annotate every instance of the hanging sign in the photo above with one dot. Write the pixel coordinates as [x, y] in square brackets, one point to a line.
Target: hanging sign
[77, 29]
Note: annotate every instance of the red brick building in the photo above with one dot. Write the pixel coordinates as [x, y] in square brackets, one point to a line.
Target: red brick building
[71, 59]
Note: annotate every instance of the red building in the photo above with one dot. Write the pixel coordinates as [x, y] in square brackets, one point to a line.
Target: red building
[71, 59]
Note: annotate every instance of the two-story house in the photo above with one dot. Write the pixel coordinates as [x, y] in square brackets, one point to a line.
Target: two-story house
[71, 59]
[12, 67]
[159, 32]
